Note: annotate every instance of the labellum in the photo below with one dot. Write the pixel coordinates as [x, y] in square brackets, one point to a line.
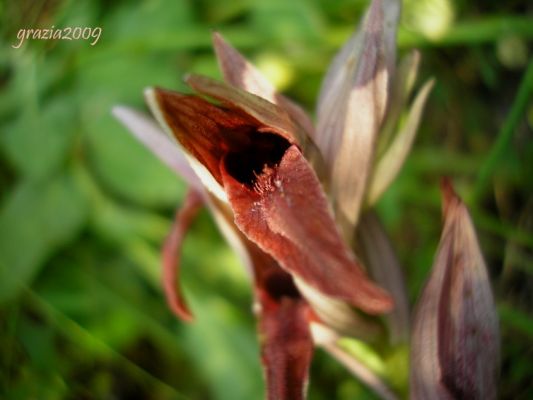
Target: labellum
[277, 200]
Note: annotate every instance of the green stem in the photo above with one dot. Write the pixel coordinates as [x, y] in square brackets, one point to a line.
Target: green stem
[506, 133]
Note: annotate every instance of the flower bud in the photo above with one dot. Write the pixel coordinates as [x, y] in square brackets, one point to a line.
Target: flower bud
[455, 339]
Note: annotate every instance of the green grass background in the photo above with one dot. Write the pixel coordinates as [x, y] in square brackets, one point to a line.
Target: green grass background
[84, 208]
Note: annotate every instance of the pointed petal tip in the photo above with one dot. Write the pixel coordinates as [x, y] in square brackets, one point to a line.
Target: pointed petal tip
[449, 196]
[187, 77]
[455, 340]
[217, 39]
[118, 111]
[181, 311]
[380, 303]
[150, 96]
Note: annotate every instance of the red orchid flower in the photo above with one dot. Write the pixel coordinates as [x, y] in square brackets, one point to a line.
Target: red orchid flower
[254, 158]
[278, 204]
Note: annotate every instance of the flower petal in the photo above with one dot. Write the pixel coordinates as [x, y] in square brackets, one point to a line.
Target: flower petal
[390, 163]
[239, 72]
[329, 341]
[340, 316]
[400, 91]
[455, 340]
[286, 348]
[391, 18]
[171, 254]
[287, 215]
[265, 112]
[384, 267]
[166, 107]
[351, 108]
[284, 331]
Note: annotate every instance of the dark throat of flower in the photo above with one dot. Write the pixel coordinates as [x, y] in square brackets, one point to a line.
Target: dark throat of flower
[255, 164]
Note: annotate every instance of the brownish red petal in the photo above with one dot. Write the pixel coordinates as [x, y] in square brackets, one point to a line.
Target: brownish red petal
[205, 131]
[287, 215]
[171, 254]
[285, 336]
[239, 72]
[263, 111]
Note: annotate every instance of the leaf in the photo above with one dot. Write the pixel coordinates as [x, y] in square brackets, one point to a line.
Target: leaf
[115, 158]
[37, 143]
[221, 350]
[36, 220]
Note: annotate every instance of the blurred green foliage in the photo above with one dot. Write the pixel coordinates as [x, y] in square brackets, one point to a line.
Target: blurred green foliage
[84, 207]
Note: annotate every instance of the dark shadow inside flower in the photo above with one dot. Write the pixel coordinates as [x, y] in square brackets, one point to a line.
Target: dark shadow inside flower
[279, 284]
[261, 155]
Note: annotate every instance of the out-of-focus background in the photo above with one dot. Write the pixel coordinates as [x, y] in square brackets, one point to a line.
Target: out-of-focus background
[84, 207]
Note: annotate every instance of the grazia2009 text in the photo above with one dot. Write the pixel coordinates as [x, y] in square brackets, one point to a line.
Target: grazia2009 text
[53, 33]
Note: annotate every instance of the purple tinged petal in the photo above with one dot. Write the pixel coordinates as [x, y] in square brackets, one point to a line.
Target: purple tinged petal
[239, 72]
[455, 339]
[383, 266]
[391, 18]
[350, 111]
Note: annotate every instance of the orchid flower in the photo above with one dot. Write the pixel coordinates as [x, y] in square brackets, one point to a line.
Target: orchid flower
[292, 198]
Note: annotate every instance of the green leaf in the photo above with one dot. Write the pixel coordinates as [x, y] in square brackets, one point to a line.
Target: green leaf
[129, 169]
[223, 350]
[35, 221]
[38, 141]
